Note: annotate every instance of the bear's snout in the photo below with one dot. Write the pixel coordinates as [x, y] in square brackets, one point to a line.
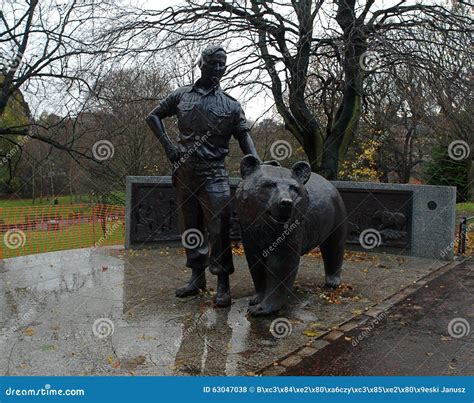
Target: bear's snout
[286, 205]
[282, 210]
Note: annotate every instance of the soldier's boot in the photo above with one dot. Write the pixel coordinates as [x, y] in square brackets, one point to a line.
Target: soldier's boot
[223, 298]
[196, 284]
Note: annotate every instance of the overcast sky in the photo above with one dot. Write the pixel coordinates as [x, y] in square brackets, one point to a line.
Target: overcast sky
[260, 103]
[254, 107]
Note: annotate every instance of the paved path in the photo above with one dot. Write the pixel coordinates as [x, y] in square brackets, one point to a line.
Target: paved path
[113, 312]
[413, 338]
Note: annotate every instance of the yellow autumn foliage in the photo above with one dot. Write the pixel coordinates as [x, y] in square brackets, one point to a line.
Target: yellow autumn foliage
[363, 167]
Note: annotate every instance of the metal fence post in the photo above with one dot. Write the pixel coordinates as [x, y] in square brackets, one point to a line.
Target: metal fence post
[462, 236]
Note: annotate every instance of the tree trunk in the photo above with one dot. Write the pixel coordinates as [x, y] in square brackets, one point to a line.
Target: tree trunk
[330, 164]
[41, 185]
[51, 173]
[33, 195]
[71, 191]
[347, 117]
[470, 179]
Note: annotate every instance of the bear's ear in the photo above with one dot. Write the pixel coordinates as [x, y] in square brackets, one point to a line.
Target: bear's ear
[275, 163]
[301, 171]
[249, 165]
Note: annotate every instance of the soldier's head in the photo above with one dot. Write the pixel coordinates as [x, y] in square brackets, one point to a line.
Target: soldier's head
[212, 62]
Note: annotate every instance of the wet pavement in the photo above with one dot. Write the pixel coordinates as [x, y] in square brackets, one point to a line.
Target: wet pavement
[429, 333]
[113, 312]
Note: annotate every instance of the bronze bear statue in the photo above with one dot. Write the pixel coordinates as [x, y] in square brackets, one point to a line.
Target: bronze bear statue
[284, 214]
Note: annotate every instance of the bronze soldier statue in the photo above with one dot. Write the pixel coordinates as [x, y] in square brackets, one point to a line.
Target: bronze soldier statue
[207, 118]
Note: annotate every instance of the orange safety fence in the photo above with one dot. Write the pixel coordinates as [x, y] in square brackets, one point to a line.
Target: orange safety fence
[36, 229]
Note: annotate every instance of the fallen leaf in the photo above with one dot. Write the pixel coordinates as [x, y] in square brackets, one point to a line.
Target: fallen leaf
[311, 332]
[29, 331]
[247, 353]
[132, 363]
[250, 373]
[146, 338]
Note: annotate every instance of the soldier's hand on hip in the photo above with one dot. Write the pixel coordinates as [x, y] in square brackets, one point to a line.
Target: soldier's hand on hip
[173, 154]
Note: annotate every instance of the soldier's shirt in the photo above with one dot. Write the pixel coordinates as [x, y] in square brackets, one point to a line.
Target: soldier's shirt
[206, 120]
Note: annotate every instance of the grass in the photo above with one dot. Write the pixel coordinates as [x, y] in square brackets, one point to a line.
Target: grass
[62, 200]
[17, 210]
[15, 215]
[117, 197]
[75, 236]
[78, 235]
[467, 208]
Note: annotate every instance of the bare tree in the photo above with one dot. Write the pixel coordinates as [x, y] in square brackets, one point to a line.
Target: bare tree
[116, 130]
[424, 101]
[400, 113]
[49, 56]
[275, 43]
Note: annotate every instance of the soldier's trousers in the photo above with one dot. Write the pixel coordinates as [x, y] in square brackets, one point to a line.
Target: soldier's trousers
[203, 199]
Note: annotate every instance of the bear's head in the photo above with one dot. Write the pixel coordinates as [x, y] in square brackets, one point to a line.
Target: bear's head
[271, 193]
